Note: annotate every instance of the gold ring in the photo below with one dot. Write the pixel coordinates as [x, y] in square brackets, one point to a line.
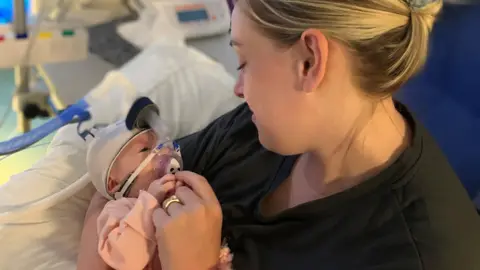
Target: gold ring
[168, 201]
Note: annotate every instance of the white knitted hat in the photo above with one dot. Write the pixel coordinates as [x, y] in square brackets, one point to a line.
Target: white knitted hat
[104, 150]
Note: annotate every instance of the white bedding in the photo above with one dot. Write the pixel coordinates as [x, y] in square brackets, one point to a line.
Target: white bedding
[191, 93]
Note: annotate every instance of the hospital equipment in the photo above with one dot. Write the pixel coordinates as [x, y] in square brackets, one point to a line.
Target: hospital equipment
[193, 17]
[196, 18]
[27, 41]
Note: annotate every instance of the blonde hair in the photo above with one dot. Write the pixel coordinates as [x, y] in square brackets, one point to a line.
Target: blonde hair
[388, 37]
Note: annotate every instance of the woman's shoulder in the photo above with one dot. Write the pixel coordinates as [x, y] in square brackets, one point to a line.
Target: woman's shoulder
[436, 208]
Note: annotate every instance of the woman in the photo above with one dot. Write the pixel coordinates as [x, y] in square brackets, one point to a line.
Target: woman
[320, 168]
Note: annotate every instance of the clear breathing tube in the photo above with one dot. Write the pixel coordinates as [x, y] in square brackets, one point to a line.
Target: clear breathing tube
[153, 120]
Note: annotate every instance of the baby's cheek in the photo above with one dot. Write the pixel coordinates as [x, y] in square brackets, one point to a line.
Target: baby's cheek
[140, 184]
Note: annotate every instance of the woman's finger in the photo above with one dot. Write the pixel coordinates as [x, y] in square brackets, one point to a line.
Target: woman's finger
[160, 218]
[198, 184]
[167, 178]
[179, 184]
[187, 196]
[174, 208]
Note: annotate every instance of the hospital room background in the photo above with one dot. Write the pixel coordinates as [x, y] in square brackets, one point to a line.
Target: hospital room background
[445, 96]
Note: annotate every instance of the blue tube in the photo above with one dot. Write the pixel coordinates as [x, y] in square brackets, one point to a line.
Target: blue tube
[74, 112]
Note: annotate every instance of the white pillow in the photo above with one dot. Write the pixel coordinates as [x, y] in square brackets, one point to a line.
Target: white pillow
[190, 89]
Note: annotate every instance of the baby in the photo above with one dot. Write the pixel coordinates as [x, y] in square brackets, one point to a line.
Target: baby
[131, 169]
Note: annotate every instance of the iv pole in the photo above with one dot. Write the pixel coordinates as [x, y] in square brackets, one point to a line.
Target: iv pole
[22, 71]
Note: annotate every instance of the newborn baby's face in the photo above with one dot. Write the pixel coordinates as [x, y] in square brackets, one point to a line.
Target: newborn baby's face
[130, 159]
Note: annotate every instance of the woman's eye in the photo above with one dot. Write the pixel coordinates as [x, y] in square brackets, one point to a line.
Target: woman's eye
[242, 66]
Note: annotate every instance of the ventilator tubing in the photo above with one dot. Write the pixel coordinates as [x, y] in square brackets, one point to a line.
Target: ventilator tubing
[76, 112]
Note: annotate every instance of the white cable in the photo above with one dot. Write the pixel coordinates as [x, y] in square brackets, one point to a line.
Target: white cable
[6, 114]
[33, 146]
[16, 212]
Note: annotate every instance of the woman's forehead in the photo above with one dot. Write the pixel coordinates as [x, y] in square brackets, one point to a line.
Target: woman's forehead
[237, 20]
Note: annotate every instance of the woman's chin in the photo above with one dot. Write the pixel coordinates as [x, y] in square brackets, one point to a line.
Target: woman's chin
[267, 142]
[272, 145]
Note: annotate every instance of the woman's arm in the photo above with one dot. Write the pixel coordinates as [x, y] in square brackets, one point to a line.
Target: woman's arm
[88, 256]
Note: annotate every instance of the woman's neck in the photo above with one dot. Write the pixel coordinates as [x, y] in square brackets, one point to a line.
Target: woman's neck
[380, 137]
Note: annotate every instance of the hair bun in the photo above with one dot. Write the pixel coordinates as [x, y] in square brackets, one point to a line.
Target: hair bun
[419, 4]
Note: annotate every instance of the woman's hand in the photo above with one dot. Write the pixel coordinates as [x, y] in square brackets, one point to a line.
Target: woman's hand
[189, 233]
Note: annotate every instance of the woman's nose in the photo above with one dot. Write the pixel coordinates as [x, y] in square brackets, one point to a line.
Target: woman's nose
[238, 89]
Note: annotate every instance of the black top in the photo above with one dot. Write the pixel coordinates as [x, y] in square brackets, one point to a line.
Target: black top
[414, 215]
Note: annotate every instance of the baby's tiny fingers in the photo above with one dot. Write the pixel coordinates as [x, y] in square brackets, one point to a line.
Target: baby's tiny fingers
[167, 178]
[159, 190]
[179, 184]
[156, 184]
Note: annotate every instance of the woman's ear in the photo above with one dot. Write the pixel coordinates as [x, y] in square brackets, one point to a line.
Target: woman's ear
[313, 54]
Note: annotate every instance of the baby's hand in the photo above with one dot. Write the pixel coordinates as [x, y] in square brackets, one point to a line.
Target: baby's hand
[162, 187]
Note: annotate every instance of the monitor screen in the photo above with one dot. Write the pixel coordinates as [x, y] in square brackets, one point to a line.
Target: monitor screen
[185, 16]
[6, 10]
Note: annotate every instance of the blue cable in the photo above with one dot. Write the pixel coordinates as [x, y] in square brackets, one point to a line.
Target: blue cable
[76, 112]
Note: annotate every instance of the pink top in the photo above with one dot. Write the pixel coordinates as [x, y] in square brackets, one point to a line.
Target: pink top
[127, 235]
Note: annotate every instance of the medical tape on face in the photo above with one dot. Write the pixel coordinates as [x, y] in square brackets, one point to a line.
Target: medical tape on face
[131, 179]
